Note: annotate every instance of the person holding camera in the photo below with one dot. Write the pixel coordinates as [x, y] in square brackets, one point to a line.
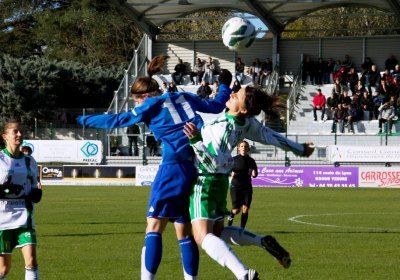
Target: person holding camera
[18, 192]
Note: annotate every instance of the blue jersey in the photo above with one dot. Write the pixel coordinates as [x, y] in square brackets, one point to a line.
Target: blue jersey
[166, 116]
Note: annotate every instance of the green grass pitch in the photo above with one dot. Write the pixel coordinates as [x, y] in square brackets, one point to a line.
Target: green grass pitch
[97, 233]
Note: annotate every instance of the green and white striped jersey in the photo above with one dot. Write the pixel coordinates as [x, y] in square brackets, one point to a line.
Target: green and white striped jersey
[220, 137]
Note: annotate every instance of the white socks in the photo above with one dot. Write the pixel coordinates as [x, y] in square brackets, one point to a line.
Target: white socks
[219, 251]
[239, 236]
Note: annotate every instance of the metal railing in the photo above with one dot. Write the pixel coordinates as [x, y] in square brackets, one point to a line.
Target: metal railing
[273, 81]
[137, 68]
[294, 96]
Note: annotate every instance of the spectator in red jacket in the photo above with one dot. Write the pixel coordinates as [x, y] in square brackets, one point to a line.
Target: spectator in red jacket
[318, 103]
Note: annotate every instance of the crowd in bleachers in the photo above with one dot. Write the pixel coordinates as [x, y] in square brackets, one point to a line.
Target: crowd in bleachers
[205, 74]
[362, 93]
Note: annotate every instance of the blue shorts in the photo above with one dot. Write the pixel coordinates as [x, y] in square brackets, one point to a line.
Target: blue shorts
[169, 197]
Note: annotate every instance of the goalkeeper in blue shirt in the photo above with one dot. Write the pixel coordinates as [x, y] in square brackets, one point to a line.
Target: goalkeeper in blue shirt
[166, 116]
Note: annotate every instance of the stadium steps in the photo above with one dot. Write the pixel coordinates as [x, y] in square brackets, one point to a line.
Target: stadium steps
[304, 120]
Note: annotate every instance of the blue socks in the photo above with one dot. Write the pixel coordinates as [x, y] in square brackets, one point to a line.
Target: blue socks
[153, 244]
[190, 256]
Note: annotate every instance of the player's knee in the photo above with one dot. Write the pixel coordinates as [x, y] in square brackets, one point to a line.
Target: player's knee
[245, 209]
[235, 211]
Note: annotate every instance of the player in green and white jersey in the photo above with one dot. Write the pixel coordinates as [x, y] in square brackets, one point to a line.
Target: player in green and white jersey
[213, 148]
[18, 191]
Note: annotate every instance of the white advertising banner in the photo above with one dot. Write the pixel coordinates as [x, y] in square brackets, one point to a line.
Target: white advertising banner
[145, 175]
[379, 177]
[86, 151]
[364, 154]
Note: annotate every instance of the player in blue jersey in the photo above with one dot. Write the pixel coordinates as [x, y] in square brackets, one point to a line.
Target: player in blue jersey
[166, 116]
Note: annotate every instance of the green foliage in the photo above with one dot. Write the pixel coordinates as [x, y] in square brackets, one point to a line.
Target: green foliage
[89, 31]
[32, 87]
[347, 21]
[209, 27]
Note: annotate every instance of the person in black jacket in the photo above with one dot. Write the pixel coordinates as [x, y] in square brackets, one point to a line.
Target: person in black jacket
[244, 168]
[180, 71]
[204, 90]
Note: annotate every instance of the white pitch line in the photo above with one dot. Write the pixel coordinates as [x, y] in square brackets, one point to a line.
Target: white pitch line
[296, 219]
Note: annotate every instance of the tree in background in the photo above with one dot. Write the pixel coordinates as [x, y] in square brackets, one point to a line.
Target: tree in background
[343, 21]
[31, 88]
[205, 25]
[89, 31]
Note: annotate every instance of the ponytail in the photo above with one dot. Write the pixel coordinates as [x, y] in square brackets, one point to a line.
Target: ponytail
[258, 100]
[147, 84]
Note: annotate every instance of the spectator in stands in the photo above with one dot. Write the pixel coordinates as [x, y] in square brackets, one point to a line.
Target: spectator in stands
[180, 71]
[336, 66]
[164, 87]
[209, 69]
[396, 71]
[347, 62]
[214, 89]
[239, 70]
[351, 116]
[396, 86]
[331, 104]
[133, 132]
[366, 104]
[344, 98]
[366, 66]
[198, 71]
[319, 71]
[337, 87]
[328, 71]
[255, 71]
[318, 104]
[384, 90]
[373, 78]
[340, 75]
[352, 80]
[204, 90]
[152, 145]
[339, 117]
[308, 70]
[386, 115]
[266, 70]
[387, 77]
[390, 63]
[172, 87]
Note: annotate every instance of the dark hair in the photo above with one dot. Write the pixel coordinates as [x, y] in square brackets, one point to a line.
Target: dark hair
[6, 124]
[27, 149]
[147, 84]
[257, 100]
[245, 142]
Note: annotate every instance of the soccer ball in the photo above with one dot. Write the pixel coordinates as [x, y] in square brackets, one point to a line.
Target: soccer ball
[238, 34]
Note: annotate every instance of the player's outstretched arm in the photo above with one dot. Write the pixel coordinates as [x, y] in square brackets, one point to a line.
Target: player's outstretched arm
[108, 120]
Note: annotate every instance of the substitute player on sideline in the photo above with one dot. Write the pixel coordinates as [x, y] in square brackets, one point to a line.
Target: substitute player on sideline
[244, 167]
[166, 116]
[18, 192]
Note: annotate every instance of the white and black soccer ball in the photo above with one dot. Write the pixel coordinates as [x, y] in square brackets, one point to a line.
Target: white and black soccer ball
[238, 34]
